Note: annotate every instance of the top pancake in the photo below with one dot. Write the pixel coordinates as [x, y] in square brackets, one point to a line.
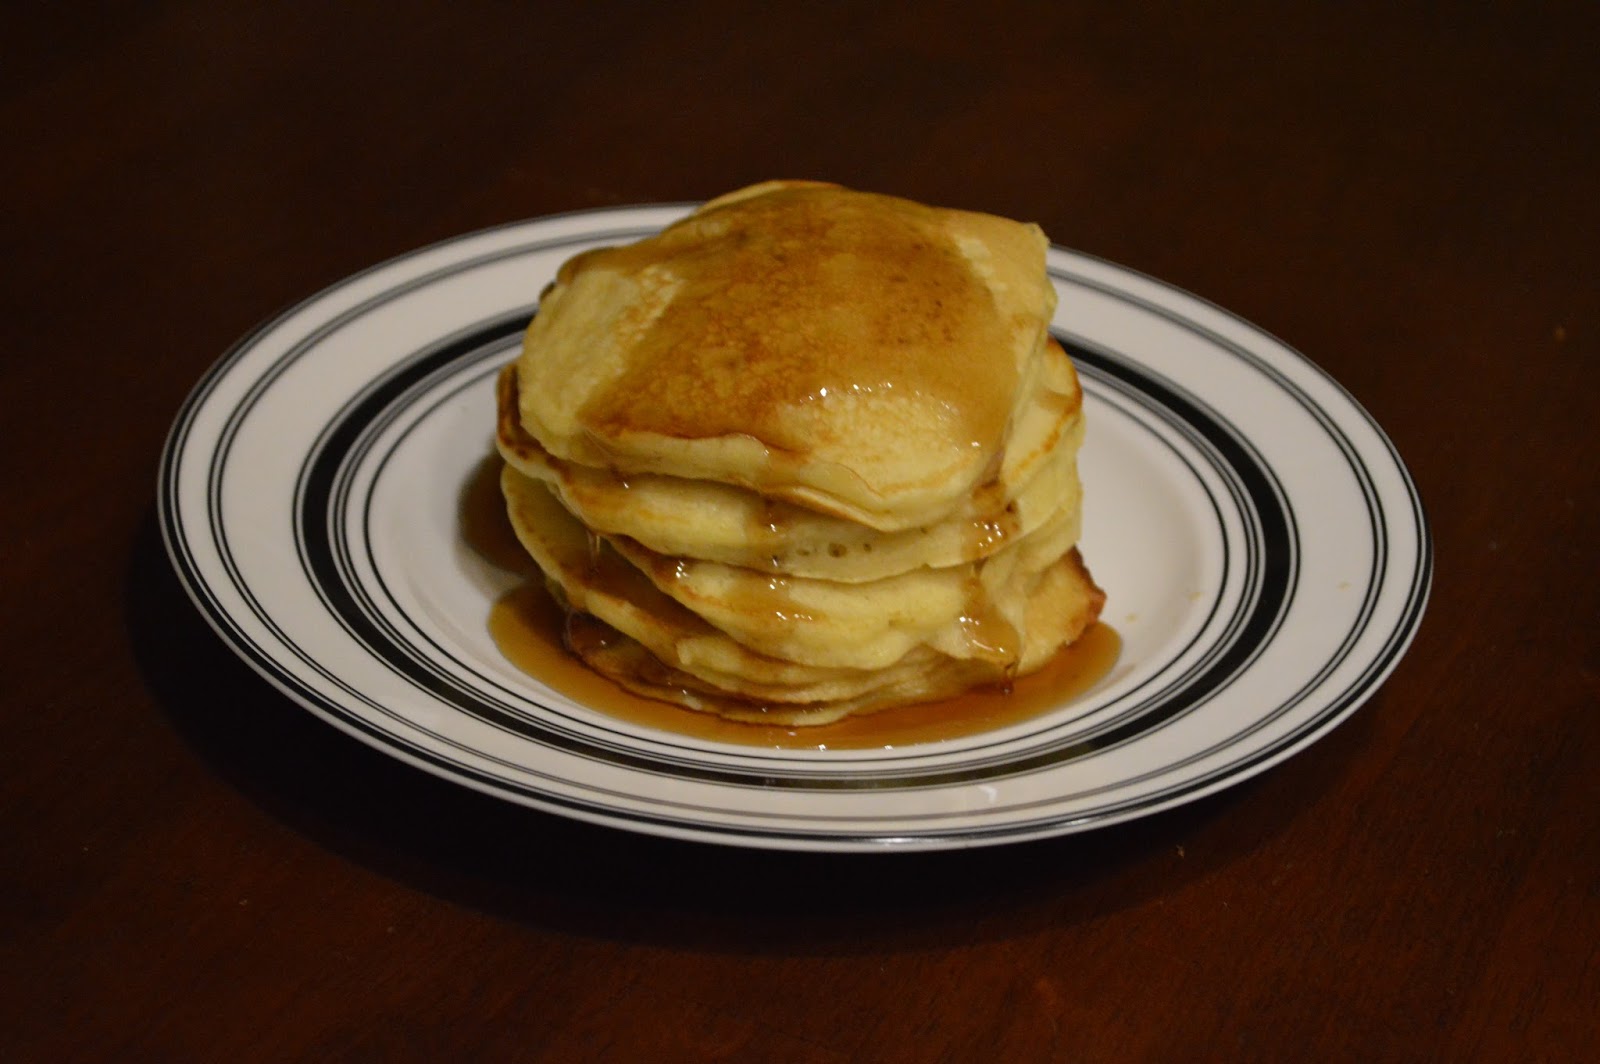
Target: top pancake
[858, 354]
[719, 522]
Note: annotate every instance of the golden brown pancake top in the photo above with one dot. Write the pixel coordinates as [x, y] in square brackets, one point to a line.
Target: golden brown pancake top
[797, 295]
[860, 355]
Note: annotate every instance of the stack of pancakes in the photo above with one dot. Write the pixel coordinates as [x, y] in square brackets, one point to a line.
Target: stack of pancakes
[808, 452]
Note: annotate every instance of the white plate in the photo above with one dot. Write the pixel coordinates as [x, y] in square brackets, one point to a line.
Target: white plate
[1264, 550]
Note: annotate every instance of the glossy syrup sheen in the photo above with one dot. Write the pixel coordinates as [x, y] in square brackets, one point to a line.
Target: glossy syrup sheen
[801, 296]
[527, 626]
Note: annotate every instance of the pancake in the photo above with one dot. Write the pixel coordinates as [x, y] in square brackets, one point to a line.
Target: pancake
[738, 526]
[628, 629]
[588, 576]
[860, 355]
[801, 621]
[632, 666]
[809, 452]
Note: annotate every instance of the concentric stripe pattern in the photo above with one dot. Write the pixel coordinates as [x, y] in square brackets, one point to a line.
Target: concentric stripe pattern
[331, 502]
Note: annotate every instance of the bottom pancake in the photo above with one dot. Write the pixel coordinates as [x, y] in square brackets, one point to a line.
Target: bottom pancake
[1061, 607]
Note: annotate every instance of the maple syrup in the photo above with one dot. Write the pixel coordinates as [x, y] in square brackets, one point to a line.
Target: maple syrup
[795, 297]
[528, 626]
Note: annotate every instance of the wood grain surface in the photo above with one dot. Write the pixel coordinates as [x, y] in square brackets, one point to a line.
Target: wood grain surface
[193, 869]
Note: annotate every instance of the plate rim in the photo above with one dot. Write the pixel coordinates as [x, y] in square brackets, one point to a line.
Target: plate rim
[1395, 644]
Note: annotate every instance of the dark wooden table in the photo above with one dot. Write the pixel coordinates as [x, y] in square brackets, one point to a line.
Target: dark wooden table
[193, 868]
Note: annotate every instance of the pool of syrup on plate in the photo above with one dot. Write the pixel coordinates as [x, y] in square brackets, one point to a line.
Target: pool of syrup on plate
[527, 626]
